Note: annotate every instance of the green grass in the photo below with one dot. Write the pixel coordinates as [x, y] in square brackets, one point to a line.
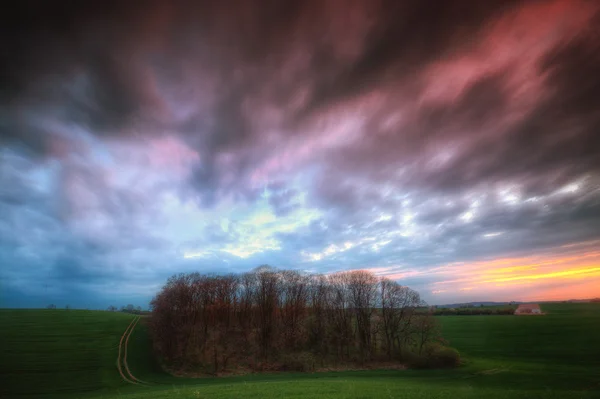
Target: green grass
[563, 336]
[560, 350]
[58, 351]
[551, 356]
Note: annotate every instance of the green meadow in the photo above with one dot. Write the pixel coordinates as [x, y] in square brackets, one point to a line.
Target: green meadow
[59, 351]
[72, 354]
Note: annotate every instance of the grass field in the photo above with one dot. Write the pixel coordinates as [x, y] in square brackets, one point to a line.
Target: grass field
[59, 351]
[73, 353]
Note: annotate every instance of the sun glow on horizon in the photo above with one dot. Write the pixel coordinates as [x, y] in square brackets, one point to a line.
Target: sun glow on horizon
[527, 278]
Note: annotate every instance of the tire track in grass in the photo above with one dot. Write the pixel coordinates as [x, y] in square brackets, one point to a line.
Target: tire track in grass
[119, 368]
[131, 376]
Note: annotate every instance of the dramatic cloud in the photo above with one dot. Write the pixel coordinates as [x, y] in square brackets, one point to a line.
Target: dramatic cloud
[454, 146]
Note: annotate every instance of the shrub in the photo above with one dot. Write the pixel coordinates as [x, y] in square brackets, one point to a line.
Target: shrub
[433, 356]
[303, 361]
[444, 357]
[414, 360]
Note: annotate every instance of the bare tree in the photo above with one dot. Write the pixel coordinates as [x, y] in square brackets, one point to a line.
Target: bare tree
[340, 317]
[294, 298]
[398, 305]
[267, 301]
[362, 290]
[320, 305]
[426, 330]
[246, 294]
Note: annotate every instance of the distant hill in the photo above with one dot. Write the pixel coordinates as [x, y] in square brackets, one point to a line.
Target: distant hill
[488, 303]
[476, 304]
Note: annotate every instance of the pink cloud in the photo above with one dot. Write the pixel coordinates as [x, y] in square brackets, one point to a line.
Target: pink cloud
[516, 40]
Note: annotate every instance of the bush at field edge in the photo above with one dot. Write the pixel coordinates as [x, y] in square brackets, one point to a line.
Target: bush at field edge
[433, 357]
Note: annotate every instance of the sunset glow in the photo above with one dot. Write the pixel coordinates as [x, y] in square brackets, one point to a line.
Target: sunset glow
[531, 278]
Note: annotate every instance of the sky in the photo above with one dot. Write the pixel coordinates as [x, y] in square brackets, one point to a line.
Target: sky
[452, 146]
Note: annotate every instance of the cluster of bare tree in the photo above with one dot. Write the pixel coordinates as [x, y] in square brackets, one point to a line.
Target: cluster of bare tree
[258, 318]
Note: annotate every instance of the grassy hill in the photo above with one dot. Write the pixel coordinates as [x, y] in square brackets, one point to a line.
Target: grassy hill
[552, 356]
[59, 351]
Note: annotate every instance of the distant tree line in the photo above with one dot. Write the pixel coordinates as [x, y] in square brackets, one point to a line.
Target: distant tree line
[53, 306]
[474, 311]
[128, 309]
[278, 319]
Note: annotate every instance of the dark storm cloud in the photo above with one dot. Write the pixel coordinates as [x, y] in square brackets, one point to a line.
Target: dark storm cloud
[378, 158]
[51, 44]
[556, 142]
[408, 35]
[560, 137]
[98, 59]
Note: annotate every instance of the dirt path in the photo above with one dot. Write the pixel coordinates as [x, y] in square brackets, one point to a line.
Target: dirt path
[131, 376]
[127, 375]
